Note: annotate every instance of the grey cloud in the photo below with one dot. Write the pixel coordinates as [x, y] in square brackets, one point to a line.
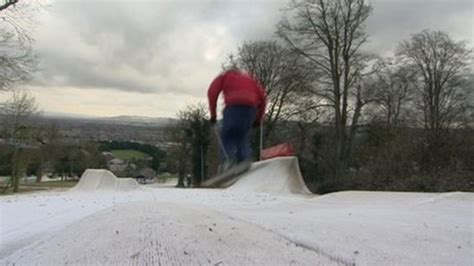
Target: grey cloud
[152, 39]
[64, 71]
[178, 46]
[393, 21]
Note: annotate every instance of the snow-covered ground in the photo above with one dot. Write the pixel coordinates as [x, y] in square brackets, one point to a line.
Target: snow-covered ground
[168, 226]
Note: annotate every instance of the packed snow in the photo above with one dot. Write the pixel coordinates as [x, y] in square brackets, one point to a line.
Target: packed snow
[254, 222]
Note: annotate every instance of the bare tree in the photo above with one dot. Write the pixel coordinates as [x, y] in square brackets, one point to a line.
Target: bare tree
[7, 4]
[283, 73]
[330, 34]
[441, 65]
[17, 60]
[51, 149]
[178, 153]
[199, 127]
[393, 91]
[191, 137]
[17, 114]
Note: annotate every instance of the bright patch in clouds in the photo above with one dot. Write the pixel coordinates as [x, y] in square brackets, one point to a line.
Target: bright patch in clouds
[100, 102]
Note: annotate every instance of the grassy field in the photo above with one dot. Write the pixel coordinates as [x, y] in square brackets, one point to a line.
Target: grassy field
[52, 184]
[129, 154]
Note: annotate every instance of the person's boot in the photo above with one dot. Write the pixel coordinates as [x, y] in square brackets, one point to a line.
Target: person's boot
[241, 167]
[225, 166]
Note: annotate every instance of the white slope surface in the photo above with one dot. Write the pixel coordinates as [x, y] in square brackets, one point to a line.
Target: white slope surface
[171, 226]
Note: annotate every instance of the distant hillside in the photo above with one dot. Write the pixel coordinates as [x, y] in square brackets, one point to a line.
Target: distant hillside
[139, 120]
[115, 120]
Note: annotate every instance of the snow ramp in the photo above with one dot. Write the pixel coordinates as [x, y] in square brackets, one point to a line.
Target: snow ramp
[99, 179]
[280, 175]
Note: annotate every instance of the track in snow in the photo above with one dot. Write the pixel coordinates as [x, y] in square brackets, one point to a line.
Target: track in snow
[150, 234]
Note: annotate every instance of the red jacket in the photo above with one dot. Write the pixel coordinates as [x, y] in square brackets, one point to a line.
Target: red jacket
[239, 89]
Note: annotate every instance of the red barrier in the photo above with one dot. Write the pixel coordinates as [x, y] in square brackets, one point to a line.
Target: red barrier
[285, 149]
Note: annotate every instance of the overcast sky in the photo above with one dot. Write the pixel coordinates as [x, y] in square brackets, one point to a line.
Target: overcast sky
[151, 58]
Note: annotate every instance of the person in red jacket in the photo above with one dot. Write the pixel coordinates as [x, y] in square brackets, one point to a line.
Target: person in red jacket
[245, 102]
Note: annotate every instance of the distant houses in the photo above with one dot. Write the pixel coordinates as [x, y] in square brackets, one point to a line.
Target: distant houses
[126, 168]
[120, 167]
[144, 174]
[108, 156]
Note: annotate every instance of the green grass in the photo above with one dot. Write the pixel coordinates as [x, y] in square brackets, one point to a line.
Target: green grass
[129, 154]
[69, 183]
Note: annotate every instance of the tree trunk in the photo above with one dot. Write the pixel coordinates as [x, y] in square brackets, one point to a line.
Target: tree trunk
[181, 169]
[180, 176]
[39, 174]
[16, 170]
[180, 181]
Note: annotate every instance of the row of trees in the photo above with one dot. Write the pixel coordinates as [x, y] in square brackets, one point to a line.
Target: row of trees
[29, 148]
[354, 109]
[39, 149]
[426, 85]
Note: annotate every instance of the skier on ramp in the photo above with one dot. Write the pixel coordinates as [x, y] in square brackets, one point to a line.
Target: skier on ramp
[245, 103]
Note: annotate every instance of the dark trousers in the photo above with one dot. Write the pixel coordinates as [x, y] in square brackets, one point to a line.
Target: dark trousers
[235, 132]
